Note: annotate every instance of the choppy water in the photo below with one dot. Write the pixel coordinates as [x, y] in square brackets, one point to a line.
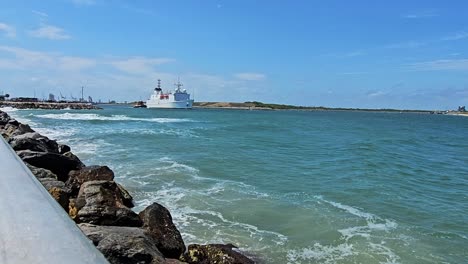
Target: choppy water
[288, 186]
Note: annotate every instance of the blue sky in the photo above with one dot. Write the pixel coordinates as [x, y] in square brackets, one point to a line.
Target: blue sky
[368, 54]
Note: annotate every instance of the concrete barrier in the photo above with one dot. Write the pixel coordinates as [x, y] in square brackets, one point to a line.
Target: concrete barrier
[33, 226]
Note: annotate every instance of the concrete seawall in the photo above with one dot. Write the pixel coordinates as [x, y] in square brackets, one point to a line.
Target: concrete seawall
[33, 226]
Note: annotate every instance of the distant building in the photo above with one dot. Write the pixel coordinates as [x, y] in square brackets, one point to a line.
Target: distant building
[461, 109]
[51, 98]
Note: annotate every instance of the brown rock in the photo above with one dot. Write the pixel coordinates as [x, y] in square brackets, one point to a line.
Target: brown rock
[90, 173]
[123, 244]
[158, 223]
[100, 202]
[214, 253]
[58, 191]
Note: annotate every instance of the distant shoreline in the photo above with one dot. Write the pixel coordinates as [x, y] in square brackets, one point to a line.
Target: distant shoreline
[263, 106]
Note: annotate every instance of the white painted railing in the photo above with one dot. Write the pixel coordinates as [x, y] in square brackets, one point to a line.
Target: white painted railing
[33, 226]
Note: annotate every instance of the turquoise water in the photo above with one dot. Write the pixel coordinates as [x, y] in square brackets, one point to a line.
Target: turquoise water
[288, 186]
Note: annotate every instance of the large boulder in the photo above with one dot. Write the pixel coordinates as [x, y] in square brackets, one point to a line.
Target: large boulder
[4, 118]
[73, 157]
[40, 172]
[60, 165]
[90, 173]
[158, 222]
[123, 244]
[100, 203]
[30, 141]
[57, 190]
[214, 253]
[127, 199]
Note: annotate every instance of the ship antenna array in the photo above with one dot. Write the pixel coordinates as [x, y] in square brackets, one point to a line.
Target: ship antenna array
[159, 83]
[178, 84]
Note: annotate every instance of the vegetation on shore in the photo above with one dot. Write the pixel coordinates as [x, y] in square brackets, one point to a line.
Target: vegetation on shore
[267, 106]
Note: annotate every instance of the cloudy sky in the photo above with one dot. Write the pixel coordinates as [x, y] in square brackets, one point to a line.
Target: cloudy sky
[368, 54]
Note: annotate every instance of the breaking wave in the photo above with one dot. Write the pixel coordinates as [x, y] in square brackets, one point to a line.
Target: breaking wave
[93, 117]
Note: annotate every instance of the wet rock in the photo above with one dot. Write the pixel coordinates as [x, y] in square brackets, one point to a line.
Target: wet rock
[158, 223]
[4, 118]
[214, 253]
[90, 173]
[40, 172]
[100, 202]
[123, 244]
[72, 156]
[34, 142]
[127, 199]
[13, 122]
[62, 149]
[60, 165]
[57, 190]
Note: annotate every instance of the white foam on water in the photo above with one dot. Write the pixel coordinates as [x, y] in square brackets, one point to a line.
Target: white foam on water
[347, 208]
[373, 229]
[320, 253]
[94, 117]
[60, 134]
[8, 109]
[174, 165]
[381, 249]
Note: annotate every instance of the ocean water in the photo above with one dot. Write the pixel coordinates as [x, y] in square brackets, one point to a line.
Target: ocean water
[288, 186]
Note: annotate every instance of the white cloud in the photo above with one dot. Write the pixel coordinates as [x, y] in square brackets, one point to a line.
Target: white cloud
[376, 93]
[40, 14]
[422, 14]
[435, 65]
[250, 76]
[8, 30]
[49, 32]
[28, 59]
[457, 36]
[139, 65]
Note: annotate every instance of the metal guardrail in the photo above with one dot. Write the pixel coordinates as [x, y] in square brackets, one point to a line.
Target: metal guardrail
[33, 226]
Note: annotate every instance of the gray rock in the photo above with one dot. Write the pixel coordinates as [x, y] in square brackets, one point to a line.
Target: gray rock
[60, 165]
[100, 202]
[214, 253]
[90, 173]
[57, 190]
[123, 244]
[158, 222]
[72, 156]
[127, 199]
[41, 173]
[4, 118]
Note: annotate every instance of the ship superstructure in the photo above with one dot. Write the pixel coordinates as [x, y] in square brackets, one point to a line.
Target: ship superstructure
[177, 99]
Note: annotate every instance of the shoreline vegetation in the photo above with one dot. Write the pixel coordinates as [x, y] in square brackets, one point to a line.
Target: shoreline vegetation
[254, 105]
[101, 207]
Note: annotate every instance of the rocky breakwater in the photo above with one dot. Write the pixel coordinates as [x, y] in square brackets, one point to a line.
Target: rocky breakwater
[49, 105]
[102, 208]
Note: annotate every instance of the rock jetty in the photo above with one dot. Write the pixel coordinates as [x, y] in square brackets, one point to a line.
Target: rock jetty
[102, 208]
[50, 105]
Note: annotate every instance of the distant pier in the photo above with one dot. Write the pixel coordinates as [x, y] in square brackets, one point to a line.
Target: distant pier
[50, 105]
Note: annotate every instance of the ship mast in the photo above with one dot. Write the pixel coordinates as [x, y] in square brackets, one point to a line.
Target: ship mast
[178, 85]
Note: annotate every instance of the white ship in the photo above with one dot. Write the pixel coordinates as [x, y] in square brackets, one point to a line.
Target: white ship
[179, 99]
